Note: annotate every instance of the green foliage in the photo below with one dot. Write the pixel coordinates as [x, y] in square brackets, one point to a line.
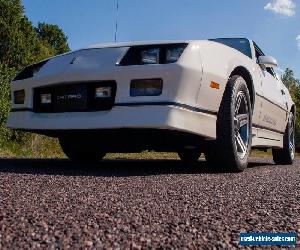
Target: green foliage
[5, 76]
[54, 36]
[293, 85]
[290, 81]
[22, 44]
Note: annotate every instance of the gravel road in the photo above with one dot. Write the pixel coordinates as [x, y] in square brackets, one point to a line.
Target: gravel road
[140, 204]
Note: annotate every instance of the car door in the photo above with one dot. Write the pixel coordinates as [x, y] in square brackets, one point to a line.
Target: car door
[274, 107]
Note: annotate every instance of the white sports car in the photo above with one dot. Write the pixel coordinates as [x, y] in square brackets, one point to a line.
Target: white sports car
[219, 97]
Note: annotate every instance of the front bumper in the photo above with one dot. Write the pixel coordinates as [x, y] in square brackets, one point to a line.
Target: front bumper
[144, 116]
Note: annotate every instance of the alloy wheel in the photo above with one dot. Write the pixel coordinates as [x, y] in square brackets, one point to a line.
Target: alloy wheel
[241, 125]
[292, 137]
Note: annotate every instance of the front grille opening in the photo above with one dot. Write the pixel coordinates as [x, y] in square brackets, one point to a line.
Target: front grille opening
[79, 97]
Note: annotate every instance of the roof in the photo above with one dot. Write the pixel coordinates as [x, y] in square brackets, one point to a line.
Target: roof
[151, 42]
[137, 43]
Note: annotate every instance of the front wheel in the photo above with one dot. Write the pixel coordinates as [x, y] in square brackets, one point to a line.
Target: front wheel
[286, 155]
[82, 151]
[231, 149]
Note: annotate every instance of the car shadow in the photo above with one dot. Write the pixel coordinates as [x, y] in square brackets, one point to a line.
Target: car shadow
[108, 168]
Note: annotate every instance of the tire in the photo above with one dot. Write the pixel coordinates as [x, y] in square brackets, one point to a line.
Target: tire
[84, 152]
[230, 151]
[286, 155]
[189, 156]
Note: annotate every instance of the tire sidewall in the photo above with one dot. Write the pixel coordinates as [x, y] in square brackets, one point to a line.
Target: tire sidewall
[283, 156]
[288, 139]
[225, 126]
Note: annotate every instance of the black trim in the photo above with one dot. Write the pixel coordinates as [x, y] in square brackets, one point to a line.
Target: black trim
[21, 110]
[88, 102]
[265, 128]
[181, 105]
[134, 104]
[129, 140]
[272, 102]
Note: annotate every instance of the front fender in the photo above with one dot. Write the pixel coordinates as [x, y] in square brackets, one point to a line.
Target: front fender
[219, 62]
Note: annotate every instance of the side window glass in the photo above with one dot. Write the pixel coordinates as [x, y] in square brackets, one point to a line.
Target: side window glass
[271, 72]
[258, 52]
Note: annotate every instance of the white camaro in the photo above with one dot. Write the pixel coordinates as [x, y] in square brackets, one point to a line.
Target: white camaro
[218, 96]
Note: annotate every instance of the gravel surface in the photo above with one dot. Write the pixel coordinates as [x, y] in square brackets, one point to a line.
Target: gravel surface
[140, 204]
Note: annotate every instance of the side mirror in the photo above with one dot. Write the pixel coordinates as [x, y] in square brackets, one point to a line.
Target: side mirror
[267, 61]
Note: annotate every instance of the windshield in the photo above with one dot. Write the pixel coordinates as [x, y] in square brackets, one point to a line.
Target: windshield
[240, 44]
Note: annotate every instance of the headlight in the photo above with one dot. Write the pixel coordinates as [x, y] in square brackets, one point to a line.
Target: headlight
[150, 56]
[19, 96]
[173, 54]
[153, 54]
[146, 87]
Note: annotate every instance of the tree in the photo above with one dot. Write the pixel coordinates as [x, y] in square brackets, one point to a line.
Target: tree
[289, 80]
[11, 15]
[22, 44]
[54, 36]
[5, 77]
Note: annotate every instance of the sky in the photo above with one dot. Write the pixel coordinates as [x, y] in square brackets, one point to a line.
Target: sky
[273, 24]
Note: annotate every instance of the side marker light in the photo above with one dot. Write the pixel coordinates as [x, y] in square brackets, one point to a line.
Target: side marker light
[214, 85]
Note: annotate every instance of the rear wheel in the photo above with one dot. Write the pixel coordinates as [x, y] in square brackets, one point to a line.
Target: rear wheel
[231, 149]
[189, 156]
[81, 151]
[286, 155]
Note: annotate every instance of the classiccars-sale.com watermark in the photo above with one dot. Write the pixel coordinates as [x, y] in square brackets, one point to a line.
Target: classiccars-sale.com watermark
[268, 239]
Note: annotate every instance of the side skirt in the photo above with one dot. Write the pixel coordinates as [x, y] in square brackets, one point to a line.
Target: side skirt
[262, 137]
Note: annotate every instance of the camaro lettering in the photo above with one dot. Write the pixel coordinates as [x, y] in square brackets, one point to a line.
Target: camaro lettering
[269, 120]
[69, 97]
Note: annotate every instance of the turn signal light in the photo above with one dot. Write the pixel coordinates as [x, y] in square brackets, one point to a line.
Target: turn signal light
[19, 96]
[214, 85]
[46, 99]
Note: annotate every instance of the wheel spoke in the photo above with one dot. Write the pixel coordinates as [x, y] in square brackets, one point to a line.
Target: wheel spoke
[238, 104]
[241, 145]
[243, 120]
[292, 136]
[236, 125]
